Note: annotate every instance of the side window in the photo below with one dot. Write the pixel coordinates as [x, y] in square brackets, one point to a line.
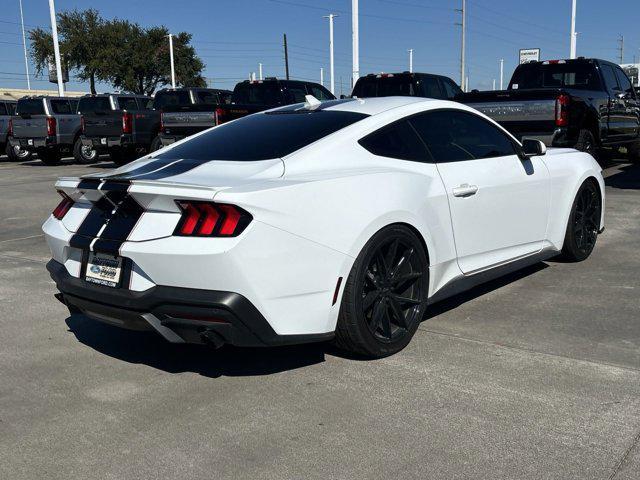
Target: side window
[319, 92]
[397, 140]
[453, 136]
[624, 82]
[3, 109]
[206, 97]
[60, 107]
[609, 77]
[127, 103]
[143, 103]
[451, 90]
[297, 92]
[431, 88]
[225, 98]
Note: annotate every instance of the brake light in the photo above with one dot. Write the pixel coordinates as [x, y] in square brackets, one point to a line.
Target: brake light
[10, 128]
[82, 123]
[220, 115]
[51, 126]
[206, 219]
[127, 123]
[63, 207]
[562, 110]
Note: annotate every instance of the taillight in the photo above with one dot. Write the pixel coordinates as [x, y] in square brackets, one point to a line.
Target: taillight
[51, 126]
[63, 207]
[562, 110]
[127, 123]
[82, 123]
[10, 128]
[220, 115]
[206, 219]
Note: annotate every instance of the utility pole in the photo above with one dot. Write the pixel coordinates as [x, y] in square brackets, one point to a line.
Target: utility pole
[322, 76]
[502, 74]
[173, 68]
[260, 71]
[410, 60]
[56, 47]
[356, 41]
[24, 45]
[621, 48]
[574, 35]
[463, 24]
[286, 57]
[331, 16]
[466, 84]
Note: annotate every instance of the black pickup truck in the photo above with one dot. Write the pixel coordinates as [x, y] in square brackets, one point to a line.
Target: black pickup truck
[124, 125]
[185, 111]
[406, 84]
[587, 104]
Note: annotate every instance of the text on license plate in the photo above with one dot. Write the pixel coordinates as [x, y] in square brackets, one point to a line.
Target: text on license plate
[103, 269]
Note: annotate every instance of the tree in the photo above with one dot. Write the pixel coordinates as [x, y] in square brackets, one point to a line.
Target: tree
[80, 34]
[144, 63]
[123, 53]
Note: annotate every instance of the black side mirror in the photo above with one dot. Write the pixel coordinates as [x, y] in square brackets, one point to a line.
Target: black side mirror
[533, 148]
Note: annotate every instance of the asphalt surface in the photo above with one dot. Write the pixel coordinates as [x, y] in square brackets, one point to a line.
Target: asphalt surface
[534, 376]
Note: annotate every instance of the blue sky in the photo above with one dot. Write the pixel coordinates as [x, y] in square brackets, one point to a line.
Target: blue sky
[232, 37]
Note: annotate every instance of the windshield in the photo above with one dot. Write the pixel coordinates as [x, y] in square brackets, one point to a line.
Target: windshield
[582, 76]
[30, 106]
[263, 136]
[94, 104]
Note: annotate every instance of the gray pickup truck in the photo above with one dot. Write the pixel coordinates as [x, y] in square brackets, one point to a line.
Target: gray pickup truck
[8, 110]
[48, 126]
[186, 111]
[122, 124]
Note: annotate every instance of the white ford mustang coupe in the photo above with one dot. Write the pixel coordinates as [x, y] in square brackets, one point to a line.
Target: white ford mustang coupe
[340, 220]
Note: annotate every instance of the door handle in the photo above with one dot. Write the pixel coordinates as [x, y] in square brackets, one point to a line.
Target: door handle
[465, 190]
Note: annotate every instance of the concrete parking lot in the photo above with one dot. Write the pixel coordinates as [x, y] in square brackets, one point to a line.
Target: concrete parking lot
[534, 376]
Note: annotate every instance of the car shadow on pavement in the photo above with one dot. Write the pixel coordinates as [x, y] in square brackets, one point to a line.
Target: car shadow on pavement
[482, 289]
[627, 178]
[150, 349]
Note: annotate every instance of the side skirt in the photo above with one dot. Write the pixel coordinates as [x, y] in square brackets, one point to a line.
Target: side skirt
[467, 282]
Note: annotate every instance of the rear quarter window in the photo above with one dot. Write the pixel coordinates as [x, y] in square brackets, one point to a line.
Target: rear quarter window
[263, 136]
[398, 140]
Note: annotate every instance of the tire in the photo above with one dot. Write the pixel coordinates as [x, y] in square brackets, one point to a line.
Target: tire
[584, 223]
[18, 155]
[633, 153]
[49, 157]
[385, 294]
[155, 145]
[84, 155]
[121, 156]
[587, 143]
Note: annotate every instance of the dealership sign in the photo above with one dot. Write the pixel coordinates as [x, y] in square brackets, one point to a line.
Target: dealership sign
[529, 55]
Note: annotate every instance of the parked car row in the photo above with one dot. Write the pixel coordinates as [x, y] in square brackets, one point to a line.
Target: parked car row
[127, 126]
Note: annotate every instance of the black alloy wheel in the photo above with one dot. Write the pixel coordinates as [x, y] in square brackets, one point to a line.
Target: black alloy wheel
[584, 223]
[391, 293]
[385, 294]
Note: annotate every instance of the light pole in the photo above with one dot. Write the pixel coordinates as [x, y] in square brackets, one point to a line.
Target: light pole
[574, 35]
[24, 45]
[463, 24]
[260, 71]
[173, 68]
[356, 40]
[502, 74]
[410, 60]
[322, 76]
[331, 16]
[56, 47]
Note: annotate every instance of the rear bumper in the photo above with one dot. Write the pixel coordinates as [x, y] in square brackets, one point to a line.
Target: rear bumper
[103, 144]
[33, 144]
[180, 315]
